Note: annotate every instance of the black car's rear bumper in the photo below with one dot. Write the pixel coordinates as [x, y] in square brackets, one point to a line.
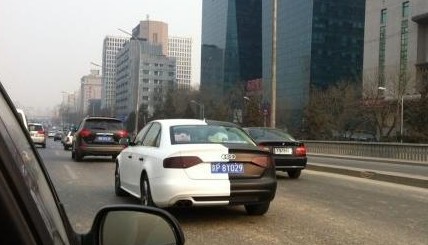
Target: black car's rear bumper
[285, 163]
[101, 150]
[248, 191]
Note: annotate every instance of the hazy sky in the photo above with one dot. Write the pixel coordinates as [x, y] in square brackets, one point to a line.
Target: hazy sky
[46, 46]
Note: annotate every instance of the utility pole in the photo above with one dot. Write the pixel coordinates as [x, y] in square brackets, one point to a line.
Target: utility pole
[273, 101]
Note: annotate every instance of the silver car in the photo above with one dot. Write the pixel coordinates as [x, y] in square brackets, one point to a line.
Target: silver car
[37, 133]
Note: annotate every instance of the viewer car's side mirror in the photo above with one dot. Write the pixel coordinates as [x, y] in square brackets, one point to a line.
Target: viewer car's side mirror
[131, 224]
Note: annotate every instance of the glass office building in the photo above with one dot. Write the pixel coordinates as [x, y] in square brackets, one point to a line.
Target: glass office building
[231, 44]
[319, 43]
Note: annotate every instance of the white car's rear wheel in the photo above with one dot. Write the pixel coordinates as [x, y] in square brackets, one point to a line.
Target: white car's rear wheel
[257, 209]
[117, 190]
[146, 196]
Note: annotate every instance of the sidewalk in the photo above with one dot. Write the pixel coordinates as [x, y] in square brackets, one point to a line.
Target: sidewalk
[367, 173]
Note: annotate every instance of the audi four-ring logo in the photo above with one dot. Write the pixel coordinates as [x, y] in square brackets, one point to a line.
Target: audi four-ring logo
[228, 156]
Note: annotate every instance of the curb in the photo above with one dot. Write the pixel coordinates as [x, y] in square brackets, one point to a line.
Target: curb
[373, 175]
[383, 160]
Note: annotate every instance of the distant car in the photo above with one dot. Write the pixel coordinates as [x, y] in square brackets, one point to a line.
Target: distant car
[37, 133]
[68, 140]
[288, 153]
[189, 162]
[58, 135]
[51, 133]
[99, 136]
[22, 117]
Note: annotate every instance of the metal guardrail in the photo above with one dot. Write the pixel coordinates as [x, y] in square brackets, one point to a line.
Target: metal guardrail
[399, 151]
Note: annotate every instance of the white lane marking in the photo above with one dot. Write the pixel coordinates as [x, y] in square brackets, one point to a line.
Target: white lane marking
[70, 172]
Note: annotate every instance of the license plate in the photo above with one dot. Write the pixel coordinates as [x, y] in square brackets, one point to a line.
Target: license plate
[227, 168]
[283, 151]
[104, 138]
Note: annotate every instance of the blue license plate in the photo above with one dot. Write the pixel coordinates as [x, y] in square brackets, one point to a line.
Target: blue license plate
[104, 138]
[227, 168]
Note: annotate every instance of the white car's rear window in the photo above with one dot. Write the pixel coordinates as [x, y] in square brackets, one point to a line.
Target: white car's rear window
[208, 134]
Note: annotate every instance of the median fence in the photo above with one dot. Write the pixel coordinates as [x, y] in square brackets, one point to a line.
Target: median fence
[397, 151]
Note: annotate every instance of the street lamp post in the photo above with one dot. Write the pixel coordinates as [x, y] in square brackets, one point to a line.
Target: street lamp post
[201, 108]
[401, 112]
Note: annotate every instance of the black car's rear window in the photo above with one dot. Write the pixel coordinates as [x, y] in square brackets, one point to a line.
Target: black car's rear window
[270, 134]
[103, 124]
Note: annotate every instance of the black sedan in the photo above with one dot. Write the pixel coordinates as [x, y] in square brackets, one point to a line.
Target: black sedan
[288, 153]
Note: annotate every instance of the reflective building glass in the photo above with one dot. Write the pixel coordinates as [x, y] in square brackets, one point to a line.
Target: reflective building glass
[319, 43]
[231, 44]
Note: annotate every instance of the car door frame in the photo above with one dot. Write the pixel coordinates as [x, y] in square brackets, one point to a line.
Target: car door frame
[20, 212]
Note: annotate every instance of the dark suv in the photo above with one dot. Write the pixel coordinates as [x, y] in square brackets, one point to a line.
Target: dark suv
[99, 136]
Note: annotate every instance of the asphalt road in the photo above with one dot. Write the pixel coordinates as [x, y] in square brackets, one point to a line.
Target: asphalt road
[318, 208]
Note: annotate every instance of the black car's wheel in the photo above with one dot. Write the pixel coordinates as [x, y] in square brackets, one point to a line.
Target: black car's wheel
[146, 195]
[44, 145]
[78, 156]
[117, 190]
[257, 209]
[294, 174]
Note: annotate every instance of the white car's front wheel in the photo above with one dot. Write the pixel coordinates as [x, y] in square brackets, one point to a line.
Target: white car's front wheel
[146, 196]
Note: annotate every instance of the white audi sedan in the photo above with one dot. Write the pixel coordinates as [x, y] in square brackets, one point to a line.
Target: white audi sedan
[189, 162]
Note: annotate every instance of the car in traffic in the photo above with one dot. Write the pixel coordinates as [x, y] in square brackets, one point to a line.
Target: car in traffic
[68, 140]
[99, 136]
[288, 153]
[32, 213]
[22, 117]
[190, 162]
[51, 133]
[37, 133]
[58, 135]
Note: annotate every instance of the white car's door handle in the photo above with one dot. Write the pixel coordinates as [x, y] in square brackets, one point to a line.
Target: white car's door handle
[130, 156]
[141, 159]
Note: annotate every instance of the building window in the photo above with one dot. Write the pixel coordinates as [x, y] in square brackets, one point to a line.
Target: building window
[405, 10]
[404, 47]
[382, 45]
[383, 17]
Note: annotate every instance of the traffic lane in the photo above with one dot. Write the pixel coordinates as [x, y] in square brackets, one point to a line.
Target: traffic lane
[83, 187]
[318, 208]
[371, 165]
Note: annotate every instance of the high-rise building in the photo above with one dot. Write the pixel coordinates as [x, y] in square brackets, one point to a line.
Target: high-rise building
[319, 43]
[90, 90]
[231, 51]
[144, 76]
[155, 32]
[111, 46]
[396, 46]
[180, 48]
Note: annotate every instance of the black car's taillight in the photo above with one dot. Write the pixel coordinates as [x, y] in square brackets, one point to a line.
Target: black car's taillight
[122, 134]
[262, 161]
[181, 162]
[300, 151]
[85, 133]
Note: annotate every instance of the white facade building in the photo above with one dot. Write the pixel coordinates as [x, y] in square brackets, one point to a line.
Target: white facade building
[180, 48]
[396, 46]
[90, 90]
[111, 46]
[143, 76]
